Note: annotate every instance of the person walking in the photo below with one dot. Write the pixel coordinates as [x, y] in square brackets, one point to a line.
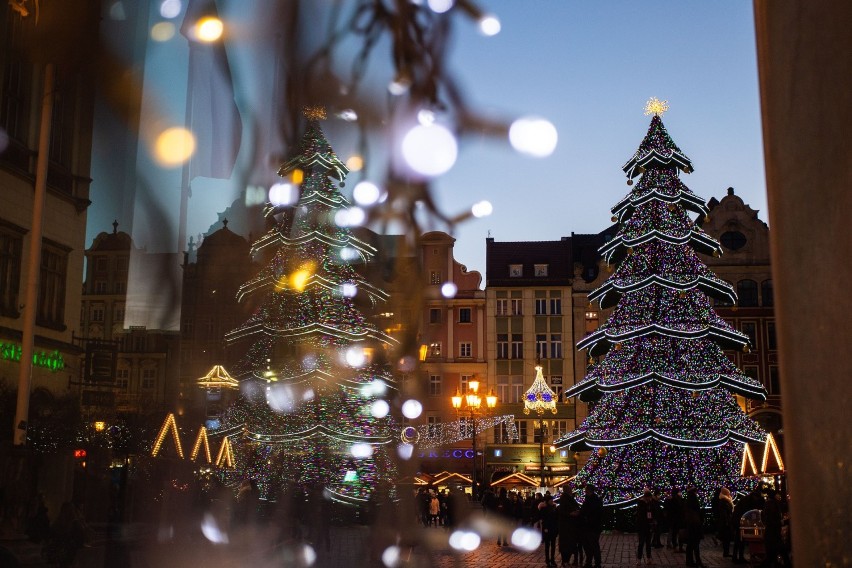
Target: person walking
[568, 515]
[674, 515]
[434, 510]
[549, 523]
[661, 524]
[504, 517]
[646, 524]
[722, 514]
[591, 517]
[694, 525]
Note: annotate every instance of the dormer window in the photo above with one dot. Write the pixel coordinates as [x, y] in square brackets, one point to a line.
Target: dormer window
[516, 270]
[540, 270]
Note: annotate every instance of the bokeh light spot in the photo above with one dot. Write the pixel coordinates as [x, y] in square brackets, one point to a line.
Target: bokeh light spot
[489, 25]
[429, 150]
[449, 289]
[174, 146]
[361, 450]
[482, 209]
[355, 163]
[282, 194]
[441, 6]
[170, 9]
[533, 136]
[366, 193]
[162, 31]
[411, 408]
[209, 29]
[526, 539]
[355, 357]
[405, 451]
[390, 557]
[380, 408]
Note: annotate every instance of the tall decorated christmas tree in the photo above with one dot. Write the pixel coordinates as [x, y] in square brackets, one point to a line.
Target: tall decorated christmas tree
[664, 411]
[306, 415]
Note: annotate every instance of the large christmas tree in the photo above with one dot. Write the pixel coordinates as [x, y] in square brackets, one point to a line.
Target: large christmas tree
[664, 411]
[306, 414]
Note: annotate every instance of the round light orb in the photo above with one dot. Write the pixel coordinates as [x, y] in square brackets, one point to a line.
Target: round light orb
[348, 253]
[399, 86]
[426, 117]
[526, 539]
[355, 163]
[282, 194]
[481, 209]
[411, 408]
[366, 193]
[355, 357]
[470, 541]
[440, 6]
[309, 555]
[170, 9]
[391, 556]
[361, 450]
[174, 146]
[209, 29]
[351, 217]
[162, 31]
[405, 451]
[429, 150]
[489, 25]
[449, 289]
[348, 114]
[380, 408]
[533, 136]
[348, 290]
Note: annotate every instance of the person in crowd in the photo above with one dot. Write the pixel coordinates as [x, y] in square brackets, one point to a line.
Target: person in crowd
[773, 518]
[247, 503]
[722, 513]
[442, 500]
[694, 519]
[568, 514]
[434, 510]
[38, 525]
[753, 500]
[673, 510]
[661, 524]
[67, 535]
[591, 517]
[646, 524]
[504, 517]
[549, 524]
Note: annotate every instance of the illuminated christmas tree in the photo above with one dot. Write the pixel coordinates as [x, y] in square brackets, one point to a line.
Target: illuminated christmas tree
[664, 410]
[307, 412]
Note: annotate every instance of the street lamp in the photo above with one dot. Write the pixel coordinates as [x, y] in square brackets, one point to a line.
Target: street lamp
[540, 398]
[471, 403]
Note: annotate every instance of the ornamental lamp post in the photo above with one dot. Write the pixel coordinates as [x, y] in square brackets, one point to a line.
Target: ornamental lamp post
[540, 398]
[471, 403]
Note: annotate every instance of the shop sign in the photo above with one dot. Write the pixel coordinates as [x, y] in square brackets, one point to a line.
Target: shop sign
[452, 454]
[52, 361]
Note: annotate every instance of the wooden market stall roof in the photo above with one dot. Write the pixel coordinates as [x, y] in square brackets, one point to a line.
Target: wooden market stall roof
[514, 479]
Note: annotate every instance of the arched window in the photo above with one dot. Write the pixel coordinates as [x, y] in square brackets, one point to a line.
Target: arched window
[747, 293]
[766, 293]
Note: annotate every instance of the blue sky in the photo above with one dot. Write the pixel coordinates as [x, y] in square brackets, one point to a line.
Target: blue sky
[588, 67]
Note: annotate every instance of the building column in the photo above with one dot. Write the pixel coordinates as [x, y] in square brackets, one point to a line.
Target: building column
[804, 52]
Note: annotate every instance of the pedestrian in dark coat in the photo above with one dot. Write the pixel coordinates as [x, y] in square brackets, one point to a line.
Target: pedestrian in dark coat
[661, 524]
[568, 514]
[722, 514]
[694, 518]
[549, 523]
[773, 518]
[591, 518]
[673, 509]
[504, 517]
[646, 524]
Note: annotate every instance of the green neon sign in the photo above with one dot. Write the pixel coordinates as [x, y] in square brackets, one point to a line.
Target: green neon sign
[52, 361]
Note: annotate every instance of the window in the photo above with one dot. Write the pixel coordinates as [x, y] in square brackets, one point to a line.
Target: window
[435, 349]
[11, 241]
[555, 306]
[733, 240]
[516, 270]
[51, 296]
[774, 386]
[591, 321]
[502, 345]
[517, 389]
[435, 277]
[100, 286]
[521, 429]
[555, 345]
[503, 388]
[434, 385]
[122, 378]
[119, 287]
[121, 264]
[751, 371]
[517, 346]
[503, 433]
[465, 349]
[517, 307]
[149, 378]
[98, 313]
[767, 294]
[771, 340]
[750, 329]
[464, 381]
[540, 306]
[119, 314]
[502, 307]
[434, 428]
[540, 270]
[464, 315]
[558, 428]
[100, 264]
[541, 345]
[434, 315]
[747, 293]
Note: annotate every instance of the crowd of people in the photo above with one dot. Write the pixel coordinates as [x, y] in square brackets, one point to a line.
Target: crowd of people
[676, 520]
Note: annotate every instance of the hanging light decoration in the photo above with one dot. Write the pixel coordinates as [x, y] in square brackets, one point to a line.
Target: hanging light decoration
[217, 378]
[539, 397]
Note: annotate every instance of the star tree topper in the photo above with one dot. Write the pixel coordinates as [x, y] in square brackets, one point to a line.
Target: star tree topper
[656, 106]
